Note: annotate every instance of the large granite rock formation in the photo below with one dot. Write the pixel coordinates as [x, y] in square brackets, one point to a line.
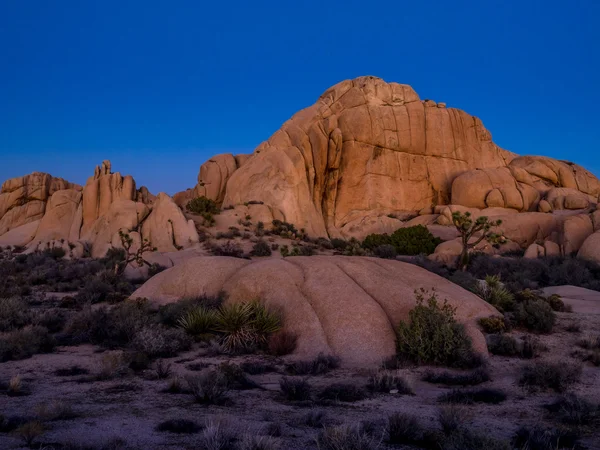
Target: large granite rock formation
[347, 306]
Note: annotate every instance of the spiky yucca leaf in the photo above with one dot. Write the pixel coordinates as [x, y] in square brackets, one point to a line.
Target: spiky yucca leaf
[200, 322]
[264, 322]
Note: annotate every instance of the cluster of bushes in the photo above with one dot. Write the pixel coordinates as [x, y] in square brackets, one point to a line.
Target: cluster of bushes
[239, 327]
[204, 207]
[526, 309]
[414, 240]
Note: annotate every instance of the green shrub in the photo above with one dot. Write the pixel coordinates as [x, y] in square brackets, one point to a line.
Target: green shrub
[246, 326]
[261, 248]
[200, 322]
[505, 345]
[202, 205]
[407, 241]
[295, 389]
[386, 381]
[157, 341]
[494, 292]
[209, 388]
[386, 251]
[342, 392]
[171, 313]
[492, 324]
[433, 336]
[318, 366]
[545, 375]
[535, 315]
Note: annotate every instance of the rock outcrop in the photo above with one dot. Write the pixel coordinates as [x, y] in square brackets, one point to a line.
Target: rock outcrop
[347, 306]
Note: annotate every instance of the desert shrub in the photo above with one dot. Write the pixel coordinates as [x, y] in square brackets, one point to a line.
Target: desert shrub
[26, 342]
[386, 251]
[433, 336]
[15, 387]
[346, 437]
[314, 418]
[162, 369]
[200, 322]
[452, 418]
[258, 442]
[571, 409]
[235, 377]
[387, 382]
[104, 286]
[209, 388]
[170, 314]
[535, 315]
[557, 304]
[14, 313]
[52, 319]
[157, 341]
[407, 241]
[230, 248]
[246, 326]
[538, 438]
[342, 392]
[282, 343]
[295, 389]
[261, 248]
[318, 366]
[338, 244]
[573, 327]
[404, 429]
[493, 291]
[112, 365]
[29, 432]
[546, 375]
[505, 345]
[469, 397]
[492, 324]
[216, 436]
[202, 205]
[178, 426]
[286, 230]
[471, 378]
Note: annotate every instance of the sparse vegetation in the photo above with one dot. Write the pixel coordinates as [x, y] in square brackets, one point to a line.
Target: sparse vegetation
[320, 365]
[469, 397]
[346, 437]
[209, 388]
[471, 378]
[546, 375]
[295, 389]
[180, 426]
[342, 392]
[389, 382]
[492, 324]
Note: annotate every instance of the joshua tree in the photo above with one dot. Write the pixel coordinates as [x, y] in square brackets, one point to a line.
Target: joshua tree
[130, 256]
[479, 229]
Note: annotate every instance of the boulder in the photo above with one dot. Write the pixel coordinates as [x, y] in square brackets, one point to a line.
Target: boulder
[21, 235]
[125, 215]
[534, 251]
[575, 230]
[60, 215]
[166, 227]
[135, 272]
[590, 249]
[347, 306]
[524, 182]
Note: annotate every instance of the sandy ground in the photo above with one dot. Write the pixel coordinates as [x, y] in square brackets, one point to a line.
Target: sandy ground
[131, 406]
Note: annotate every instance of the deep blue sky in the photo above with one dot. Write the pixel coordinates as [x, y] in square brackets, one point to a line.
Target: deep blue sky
[158, 87]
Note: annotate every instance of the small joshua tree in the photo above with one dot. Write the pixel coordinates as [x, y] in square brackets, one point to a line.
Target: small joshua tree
[480, 229]
[130, 256]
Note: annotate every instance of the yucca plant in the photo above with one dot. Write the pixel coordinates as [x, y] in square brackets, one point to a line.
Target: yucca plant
[200, 322]
[235, 322]
[246, 326]
[264, 322]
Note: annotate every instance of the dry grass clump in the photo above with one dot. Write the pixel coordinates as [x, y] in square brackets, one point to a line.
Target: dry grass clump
[547, 375]
[389, 382]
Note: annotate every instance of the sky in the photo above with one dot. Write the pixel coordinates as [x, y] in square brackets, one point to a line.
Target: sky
[159, 87]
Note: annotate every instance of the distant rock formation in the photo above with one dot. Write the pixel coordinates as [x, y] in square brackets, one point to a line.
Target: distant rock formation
[40, 211]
